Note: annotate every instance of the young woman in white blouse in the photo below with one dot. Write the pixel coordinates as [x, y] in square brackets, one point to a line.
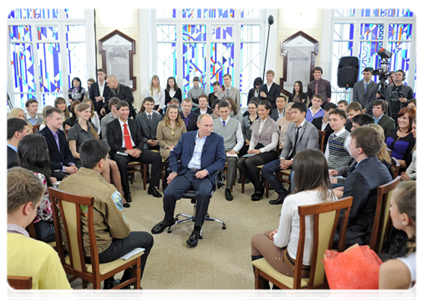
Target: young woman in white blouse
[157, 93]
[312, 186]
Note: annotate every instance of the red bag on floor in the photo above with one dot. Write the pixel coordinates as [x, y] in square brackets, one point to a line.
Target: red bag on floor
[356, 268]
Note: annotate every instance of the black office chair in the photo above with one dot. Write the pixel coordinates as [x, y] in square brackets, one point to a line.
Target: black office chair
[190, 194]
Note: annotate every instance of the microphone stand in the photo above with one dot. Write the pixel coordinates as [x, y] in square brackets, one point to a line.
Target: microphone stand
[267, 44]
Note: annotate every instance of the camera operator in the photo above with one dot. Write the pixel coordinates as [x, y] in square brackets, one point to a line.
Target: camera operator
[398, 95]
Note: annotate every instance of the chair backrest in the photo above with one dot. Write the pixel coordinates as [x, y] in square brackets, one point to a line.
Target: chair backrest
[325, 221]
[395, 167]
[68, 210]
[384, 193]
[322, 135]
[20, 282]
[35, 129]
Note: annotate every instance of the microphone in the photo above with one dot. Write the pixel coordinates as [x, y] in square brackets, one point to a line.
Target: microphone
[270, 20]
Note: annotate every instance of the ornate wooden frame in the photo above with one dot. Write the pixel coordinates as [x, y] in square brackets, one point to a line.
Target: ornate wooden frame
[131, 53]
[285, 54]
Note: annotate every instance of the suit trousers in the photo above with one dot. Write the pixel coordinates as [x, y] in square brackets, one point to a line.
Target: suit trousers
[182, 183]
[230, 175]
[119, 247]
[146, 156]
[268, 172]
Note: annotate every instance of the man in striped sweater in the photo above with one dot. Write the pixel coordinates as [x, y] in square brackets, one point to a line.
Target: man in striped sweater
[337, 151]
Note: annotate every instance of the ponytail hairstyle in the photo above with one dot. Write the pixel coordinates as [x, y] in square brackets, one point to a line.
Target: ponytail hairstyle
[405, 198]
[84, 106]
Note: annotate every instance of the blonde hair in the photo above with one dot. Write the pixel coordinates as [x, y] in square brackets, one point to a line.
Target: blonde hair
[14, 112]
[88, 100]
[84, 106]
[151, 84]
[166, 119]
[383, 154]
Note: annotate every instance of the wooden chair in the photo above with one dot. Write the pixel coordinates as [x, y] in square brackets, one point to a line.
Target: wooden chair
[395, 167]
[380, 222]
[135, 166]
[71, 208]
[31, 230]
[20, 282]
[322, 135]
[326, 216]
[35, 129]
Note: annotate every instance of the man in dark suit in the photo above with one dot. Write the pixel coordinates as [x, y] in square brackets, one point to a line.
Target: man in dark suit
[381, 118]
[270, 91]
[279, 111]
[148, 121]
[365, 91]
[16, 130]
[125, 141]
[362, 184]
[203, 105]
[300, 135]
[120, 91]
[62, 162]
[188, 116]
[322, 123]
[201, 154]
[100, 93]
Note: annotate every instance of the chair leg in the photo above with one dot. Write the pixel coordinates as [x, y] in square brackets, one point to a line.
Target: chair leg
[96, 284]
[144, 175]
[267, 188]
[242, 183]
[84, 284]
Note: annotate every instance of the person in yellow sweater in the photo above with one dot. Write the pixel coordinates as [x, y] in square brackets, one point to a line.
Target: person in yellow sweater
[27, 256]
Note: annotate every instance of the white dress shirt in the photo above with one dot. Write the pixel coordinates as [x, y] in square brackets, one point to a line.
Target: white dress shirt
[123, 134]
[239, 136]
[195, 162]
[101, 89]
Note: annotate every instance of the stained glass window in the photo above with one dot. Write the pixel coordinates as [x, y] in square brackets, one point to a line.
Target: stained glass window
[222, 62]
[75, 13]
[344, 12]
[222, 32]
[23, 68]
[399, 12]
[194, 60]
[372, 31]
[50, 67]
[399, 32]
[47, 33]
[194, 33]
[219, 13]
[191, 13]
[34, 13]
[77, 60]
[166, 33]
[343, 31]
[167, 61]
[20, 33]
[20, 99]
[250, 13]
[75, 33]
[374, 12]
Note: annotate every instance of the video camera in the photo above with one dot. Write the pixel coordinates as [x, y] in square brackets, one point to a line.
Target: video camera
[383, 71]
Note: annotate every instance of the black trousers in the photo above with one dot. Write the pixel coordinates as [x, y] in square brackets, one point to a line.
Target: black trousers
[179, 185]
[120, 247]
[146, 156]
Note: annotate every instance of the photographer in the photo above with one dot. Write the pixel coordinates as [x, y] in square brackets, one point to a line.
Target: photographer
[398, 95]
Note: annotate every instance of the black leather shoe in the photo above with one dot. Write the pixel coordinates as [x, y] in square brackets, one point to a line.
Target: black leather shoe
[193, 239]
[257, 196]
[126, 204]
[228, 195]
[109, 283]
[160, 227]
[154, 192]
[278, 201]
[128, 198]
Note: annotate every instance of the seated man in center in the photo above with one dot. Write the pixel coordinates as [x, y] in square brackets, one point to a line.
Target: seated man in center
[230, 129]
[201, 154]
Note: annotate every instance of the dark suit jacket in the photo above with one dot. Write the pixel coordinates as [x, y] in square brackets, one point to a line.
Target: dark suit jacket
[12, 158]
[115, 138]
[177, 95]
[212, 159]
[209, 111]
[192, 123]
[124, 93]
[275, 114]
[275, 92]
[57, 159]
[148, 131]
[362, 185]
[366, 100]
[386, 123]
[95, 92]
[348, 125]
[318, 124]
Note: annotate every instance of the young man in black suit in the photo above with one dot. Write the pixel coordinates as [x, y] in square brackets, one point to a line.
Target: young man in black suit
[270, 91]
[188, 116]
[16, 130]
[100, 93]
[322, 123]
[203, 105]
[62, 162]
[126, 145]
[148, 121]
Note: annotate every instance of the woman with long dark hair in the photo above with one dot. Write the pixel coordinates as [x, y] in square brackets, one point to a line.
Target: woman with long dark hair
[172, 91]
[76, 92]
[297, 93]
[33, 155]
[255, 90]
[312, 186]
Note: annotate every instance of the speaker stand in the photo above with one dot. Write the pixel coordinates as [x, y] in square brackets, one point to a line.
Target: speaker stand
[345, 95]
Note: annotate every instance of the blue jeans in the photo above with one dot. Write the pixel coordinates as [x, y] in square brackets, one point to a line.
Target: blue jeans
[268, 172]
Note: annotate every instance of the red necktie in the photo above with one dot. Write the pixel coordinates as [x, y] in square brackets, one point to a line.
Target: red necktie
[128, 143]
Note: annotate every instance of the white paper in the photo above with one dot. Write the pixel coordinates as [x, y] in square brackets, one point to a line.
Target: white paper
[132, 253]
[231, 155]
[122, 153]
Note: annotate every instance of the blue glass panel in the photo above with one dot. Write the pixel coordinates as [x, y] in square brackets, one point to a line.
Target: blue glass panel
[20, 33]
[47, 33]
[368, 55]
[48, 99]
[249, 13]
[194, 64]
[344, 12]
[399, 32]
[400, 56]
[374, 12]
[223, 33]
[31, 13]
[399, 12]
[74, 13]
[222, 61]
[191, 13]
[22, 64]
[219, 13]
[372, 31]
[49, 67]
[343, 31]
[195, 33]
[20, 99]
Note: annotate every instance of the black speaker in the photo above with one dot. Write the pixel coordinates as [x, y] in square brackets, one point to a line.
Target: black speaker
[348, 71]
